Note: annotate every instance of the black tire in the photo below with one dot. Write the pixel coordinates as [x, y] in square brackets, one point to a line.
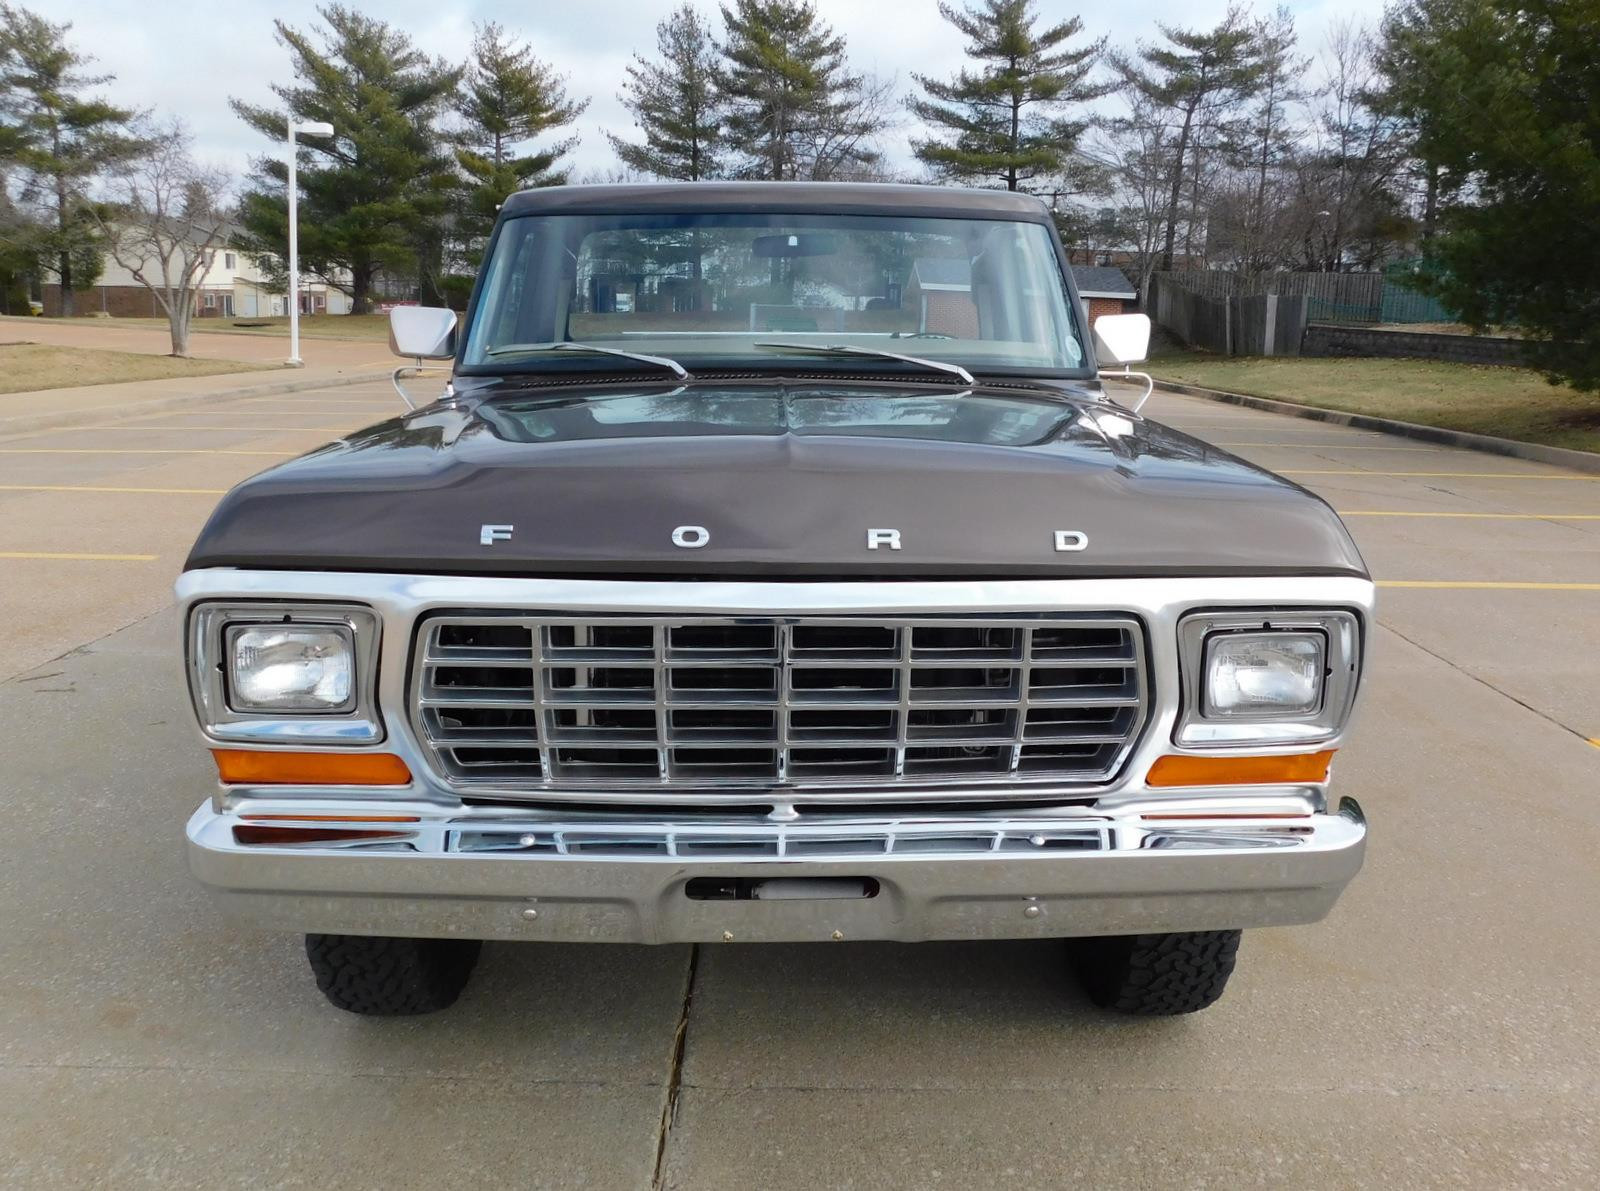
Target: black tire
[1156, 975]
[382, 977]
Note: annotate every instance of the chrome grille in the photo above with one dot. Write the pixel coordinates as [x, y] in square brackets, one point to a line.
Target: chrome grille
[544, 702]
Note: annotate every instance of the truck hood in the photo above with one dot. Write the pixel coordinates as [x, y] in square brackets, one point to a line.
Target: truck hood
[783, 479]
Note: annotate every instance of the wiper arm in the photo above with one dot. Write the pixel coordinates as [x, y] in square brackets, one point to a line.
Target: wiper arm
[530, 349]
[849, 349]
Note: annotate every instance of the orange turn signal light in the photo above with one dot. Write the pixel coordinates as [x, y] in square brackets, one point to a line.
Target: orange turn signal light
[261, 768]
[1185, 770]
[268, 836]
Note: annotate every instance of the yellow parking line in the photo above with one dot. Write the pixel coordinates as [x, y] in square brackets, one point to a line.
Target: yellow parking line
[98, 488]
[1470, 585]
[356, 405]
[78, 557]
[235, 429]
[244, 413]
[1595, 740]
[137, 451]
[1476, 516]
[1441, 475]
[1321, 446]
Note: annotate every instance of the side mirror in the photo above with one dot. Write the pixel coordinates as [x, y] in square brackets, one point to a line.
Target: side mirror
[422, 332]
[1120, 338]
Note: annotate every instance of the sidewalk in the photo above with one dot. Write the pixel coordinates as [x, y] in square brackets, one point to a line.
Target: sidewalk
[48, 409]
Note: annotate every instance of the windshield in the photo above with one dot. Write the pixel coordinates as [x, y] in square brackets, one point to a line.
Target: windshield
[712, 290]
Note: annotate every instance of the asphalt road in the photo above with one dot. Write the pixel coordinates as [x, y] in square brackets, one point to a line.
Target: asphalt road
[1442, 1028]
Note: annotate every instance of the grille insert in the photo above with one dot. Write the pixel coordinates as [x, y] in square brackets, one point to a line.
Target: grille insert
[536, 702]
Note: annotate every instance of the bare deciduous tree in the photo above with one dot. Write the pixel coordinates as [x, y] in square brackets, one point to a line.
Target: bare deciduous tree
[844, 147]
[168, 221]
[1136, 150]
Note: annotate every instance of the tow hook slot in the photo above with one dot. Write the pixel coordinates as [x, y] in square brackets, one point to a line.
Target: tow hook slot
[746, 889]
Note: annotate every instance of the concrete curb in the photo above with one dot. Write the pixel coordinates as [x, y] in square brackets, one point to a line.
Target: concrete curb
[112, 411]
[1586, 461]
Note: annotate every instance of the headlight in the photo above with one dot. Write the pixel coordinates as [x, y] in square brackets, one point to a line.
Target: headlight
[1264, 674]
[1263, 678]
[285, 672]
[291, 668]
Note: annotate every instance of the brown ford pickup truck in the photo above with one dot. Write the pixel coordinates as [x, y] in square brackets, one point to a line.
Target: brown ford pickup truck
[774, 566]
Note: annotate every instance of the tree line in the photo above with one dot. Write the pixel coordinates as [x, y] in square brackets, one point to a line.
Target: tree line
[1231, 147]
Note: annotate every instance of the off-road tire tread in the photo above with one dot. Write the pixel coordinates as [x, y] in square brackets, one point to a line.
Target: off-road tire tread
[385, 977]
[1159, 975]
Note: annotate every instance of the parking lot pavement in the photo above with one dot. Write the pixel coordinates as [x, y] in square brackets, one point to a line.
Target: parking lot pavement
[1441, 1028]
[96, 518]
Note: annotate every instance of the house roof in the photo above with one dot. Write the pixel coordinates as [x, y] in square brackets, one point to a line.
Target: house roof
[942, 272]
[1102, 281]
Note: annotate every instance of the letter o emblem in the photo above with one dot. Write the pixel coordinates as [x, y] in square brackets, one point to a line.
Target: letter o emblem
[691, 537]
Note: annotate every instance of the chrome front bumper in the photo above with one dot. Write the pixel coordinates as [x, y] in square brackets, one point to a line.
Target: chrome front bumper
[981, 878]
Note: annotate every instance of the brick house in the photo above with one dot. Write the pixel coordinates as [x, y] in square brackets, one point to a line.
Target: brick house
[1104, 290]
[233, 286]
[940, 292]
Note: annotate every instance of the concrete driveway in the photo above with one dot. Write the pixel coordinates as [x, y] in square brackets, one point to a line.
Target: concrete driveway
[1442, 1028]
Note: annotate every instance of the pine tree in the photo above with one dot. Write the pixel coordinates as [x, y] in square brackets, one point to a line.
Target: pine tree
[372, 191]
[1004, 123]
[793, 108]
[55, 142]
[1195, 78]
[674, 102]
[508, 98]
[1503, 99]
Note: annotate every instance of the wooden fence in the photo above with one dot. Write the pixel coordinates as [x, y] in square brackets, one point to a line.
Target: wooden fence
[1254, 325]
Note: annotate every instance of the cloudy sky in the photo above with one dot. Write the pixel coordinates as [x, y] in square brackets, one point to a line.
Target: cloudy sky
[189, 59]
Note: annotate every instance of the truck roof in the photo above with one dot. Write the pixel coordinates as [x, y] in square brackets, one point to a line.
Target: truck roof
[828, 198]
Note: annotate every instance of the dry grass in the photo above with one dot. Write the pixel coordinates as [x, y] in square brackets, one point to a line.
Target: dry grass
[25, 367]
[1507, 402]
[368, 327]
[371, 327]
[1449, 329]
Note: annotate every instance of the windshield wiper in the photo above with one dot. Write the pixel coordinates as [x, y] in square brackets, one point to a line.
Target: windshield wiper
[848, 349]
[530, 349]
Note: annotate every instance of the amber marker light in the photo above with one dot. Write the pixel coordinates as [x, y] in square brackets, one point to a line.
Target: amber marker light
[250, 767]
[268, 836]
[1184, 770]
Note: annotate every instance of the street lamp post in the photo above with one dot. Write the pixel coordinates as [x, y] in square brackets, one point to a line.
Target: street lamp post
[309, 128]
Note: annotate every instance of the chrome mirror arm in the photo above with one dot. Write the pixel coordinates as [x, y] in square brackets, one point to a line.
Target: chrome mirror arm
[407, 371]
[1149, 385]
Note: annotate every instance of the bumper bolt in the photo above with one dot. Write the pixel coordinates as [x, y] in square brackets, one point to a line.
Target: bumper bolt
[727, 936]
[838, 935]
[530, 913]
[1031, 912]
[527, 841]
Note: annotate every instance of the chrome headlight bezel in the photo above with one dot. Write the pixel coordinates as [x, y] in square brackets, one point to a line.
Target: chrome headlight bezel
[1198, 727]
[209, 655]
